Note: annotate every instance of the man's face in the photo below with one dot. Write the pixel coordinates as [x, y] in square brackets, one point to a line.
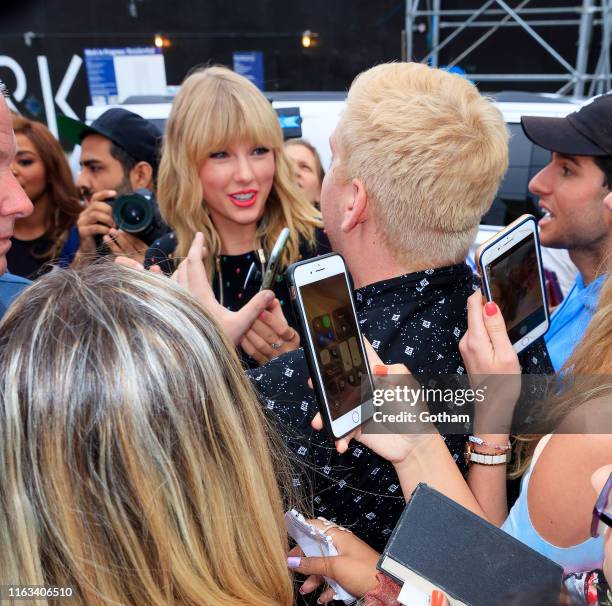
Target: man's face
[14, 204]
[334, 192]
[305, 168]
[571, 191]
[99, 170]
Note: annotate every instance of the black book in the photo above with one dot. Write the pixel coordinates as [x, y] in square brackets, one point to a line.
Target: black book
[438, 543]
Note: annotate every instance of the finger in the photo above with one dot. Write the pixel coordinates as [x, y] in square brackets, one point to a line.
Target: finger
[296, 552]
[327, 596]
[495, 326]
[112, 245]
[124, 241]
[311, 583]
[275, 319]
[261, 345]
[255, 348]
[373, 357]
[90, 217]
[93, 230]
[317, 422]
[156, 269]
[265, 332]
[103, 194]
[248, 314]
[196, 250]
[476, 327]
[309, 383]
[319, 566]
[127, 262]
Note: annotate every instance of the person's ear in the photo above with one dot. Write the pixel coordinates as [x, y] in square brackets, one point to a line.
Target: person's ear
[357, 209]
[141, 176]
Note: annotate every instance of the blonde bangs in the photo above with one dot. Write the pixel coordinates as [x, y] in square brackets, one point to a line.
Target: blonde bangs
[215, 109]
[240, 113]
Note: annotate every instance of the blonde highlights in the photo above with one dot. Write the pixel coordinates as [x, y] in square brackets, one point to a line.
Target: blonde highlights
[214, 108]
[431, 152]
[135, 460]
[584, 377]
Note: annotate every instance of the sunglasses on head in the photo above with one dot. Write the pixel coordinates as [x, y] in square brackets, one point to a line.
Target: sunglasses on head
[602, 512]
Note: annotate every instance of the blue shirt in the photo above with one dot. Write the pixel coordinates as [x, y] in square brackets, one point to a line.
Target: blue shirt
[570, 320]
[10, 287]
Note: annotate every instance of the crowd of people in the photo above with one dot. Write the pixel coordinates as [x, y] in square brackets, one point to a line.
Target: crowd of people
[156, 414]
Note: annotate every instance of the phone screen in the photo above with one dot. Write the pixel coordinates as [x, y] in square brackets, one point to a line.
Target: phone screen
[514, 281]
[335, 335]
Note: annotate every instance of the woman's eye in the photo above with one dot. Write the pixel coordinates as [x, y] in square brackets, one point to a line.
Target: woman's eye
[25, 162]
[218, 155]
[260, 151]
[566, 171]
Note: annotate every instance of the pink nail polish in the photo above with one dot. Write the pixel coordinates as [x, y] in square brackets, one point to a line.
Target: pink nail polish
[490, 308]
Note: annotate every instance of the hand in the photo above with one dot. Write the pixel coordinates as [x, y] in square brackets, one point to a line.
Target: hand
[393, 447]
[270, 328]
[95, 219]
[191, 274]
[122, 243]
[492, 365]
[133, 264]
[485, 346]
[354, 567]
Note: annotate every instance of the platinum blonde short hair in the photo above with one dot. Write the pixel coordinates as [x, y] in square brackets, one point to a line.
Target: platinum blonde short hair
[431, 152]
[135, 461]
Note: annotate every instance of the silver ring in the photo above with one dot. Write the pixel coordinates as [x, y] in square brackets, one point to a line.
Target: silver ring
[275, 346]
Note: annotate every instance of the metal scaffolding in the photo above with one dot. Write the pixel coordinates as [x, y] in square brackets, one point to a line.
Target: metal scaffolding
[495, 14]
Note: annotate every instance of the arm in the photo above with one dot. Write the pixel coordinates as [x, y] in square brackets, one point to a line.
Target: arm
[491, 363]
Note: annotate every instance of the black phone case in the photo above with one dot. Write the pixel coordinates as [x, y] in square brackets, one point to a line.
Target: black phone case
[312, 367]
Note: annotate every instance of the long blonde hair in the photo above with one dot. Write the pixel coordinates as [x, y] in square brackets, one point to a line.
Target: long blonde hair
[214, 108]
[135, 461]
[584, 377]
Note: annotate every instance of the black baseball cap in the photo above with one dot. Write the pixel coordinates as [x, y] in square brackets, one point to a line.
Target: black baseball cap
[587, 132]
[137, 136]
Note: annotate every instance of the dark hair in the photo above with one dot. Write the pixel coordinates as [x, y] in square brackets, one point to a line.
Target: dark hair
[127, 161]
[605, 165]
[63, 196]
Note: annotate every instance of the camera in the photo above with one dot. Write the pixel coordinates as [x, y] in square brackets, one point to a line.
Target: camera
[138, 214]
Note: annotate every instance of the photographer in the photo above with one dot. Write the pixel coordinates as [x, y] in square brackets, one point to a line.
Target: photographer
[119, 155]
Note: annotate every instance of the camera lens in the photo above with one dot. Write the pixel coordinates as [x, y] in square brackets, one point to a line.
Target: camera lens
[132, 213]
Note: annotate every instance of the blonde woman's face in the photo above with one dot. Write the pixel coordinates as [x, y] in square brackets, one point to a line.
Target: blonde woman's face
[236, 182]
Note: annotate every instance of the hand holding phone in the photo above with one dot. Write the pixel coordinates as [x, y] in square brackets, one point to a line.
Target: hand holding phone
[510, 265]
[273, 265]
[333, 343]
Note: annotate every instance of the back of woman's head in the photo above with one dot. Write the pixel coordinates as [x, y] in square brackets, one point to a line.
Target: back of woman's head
[65, 207]
[135, 463]
[216, 108]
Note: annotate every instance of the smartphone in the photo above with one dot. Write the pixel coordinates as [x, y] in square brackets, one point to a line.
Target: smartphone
[510, 265]
[321, 292]
[274, 261]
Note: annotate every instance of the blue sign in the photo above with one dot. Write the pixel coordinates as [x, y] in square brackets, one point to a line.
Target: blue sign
[250, 65]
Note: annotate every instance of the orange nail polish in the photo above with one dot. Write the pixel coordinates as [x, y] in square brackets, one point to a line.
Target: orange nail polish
[381, 370]
[437, 598]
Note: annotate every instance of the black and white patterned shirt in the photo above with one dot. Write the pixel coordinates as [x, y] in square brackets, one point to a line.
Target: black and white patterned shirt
[417, 320]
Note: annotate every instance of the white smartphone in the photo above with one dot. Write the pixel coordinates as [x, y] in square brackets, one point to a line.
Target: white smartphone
[274, 261]
[333, 344]
[510, 265]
